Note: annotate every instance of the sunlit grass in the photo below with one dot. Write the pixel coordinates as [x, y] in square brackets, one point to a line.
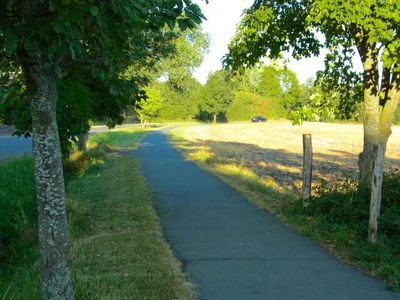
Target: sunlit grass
[122, 139]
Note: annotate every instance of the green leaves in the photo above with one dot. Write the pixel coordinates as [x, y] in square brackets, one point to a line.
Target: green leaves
[94, 10]
[10, 40]
[100, 41]
[150, 105]
[269, 28]
[217, 93]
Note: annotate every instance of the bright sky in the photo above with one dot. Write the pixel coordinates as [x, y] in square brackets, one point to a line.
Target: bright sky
[222, 17]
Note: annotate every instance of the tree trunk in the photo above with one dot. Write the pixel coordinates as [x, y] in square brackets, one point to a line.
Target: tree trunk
[377, 129]
[82, 142]
[371, 138]
[376, 194]
[214, 119]
[53, 229]
[371, 114]
[143, 122]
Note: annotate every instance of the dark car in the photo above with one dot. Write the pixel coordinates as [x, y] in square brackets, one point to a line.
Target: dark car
[258, 119]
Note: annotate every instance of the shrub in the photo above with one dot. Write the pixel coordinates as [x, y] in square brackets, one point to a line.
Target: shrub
[246, 105]
[338, 217]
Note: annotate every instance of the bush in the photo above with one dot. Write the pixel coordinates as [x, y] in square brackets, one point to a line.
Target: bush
[338, 217]
[247, 105]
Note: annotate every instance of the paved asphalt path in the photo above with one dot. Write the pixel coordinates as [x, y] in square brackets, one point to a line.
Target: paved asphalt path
[233, 250]
[13, 146]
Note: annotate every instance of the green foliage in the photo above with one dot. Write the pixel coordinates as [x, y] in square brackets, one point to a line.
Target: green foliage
[338, 216]
[107, 214]
[217, 94]
[149, 106]
[180, 91]
[274, 82]
[318, 109]
[180, 105]
[270, 28]
[89, 49]
[18, 224]
[247, 105]
[243, 107]
[190, 48]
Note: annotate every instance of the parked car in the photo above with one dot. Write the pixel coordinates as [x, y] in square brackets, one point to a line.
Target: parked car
[258, 119]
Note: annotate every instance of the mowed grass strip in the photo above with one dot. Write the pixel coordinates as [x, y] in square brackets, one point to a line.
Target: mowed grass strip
[117, 250]
[116, 247]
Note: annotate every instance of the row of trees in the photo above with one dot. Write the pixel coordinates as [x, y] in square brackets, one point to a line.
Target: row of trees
[271, 90]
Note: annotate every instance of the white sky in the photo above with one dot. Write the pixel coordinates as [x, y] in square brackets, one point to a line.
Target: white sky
[222, 17]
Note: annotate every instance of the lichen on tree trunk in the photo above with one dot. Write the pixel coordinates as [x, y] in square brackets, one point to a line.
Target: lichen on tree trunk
[53, 228]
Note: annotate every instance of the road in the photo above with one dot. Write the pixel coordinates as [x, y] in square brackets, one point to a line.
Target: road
[14, 146]
[11, 146]
[232, 250]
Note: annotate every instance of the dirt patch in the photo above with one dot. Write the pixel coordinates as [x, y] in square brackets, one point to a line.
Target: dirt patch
[273, 150]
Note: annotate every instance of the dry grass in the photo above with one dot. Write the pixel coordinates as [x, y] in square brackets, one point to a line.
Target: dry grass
[273, 150]
[263, 162]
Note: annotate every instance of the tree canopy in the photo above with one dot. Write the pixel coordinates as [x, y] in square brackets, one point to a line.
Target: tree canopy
[43, 42]
[149, 106]
[217, 94]
[368, 27]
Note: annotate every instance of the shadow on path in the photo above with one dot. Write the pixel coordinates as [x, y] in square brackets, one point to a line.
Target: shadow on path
[233, 250]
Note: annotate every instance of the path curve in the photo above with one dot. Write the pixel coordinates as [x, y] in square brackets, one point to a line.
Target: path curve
[233, 250]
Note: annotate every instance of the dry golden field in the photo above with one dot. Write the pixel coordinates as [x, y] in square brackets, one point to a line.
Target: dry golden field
[273, 150]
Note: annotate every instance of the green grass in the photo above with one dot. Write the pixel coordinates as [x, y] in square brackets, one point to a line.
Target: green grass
[337, 216]
[18, 229]
[116, 247]
[119, 139]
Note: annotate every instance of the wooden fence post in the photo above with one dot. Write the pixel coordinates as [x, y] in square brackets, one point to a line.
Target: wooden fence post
[307, 168]
[376, 193]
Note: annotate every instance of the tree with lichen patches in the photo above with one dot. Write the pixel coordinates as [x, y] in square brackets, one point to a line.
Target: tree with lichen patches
[42, 40]
[370, 27]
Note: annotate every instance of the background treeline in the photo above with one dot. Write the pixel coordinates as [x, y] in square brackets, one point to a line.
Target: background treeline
[268, 89]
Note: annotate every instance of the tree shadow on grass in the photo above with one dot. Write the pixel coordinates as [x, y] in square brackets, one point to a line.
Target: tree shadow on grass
[279, 168]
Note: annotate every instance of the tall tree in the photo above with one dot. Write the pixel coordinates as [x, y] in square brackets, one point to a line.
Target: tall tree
[370, 27]
[42, 39]
[149, 106]
[180, 87]
[217, 94]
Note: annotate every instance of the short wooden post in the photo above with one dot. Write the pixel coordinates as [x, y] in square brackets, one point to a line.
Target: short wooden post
[307, 168]
[376, 193]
